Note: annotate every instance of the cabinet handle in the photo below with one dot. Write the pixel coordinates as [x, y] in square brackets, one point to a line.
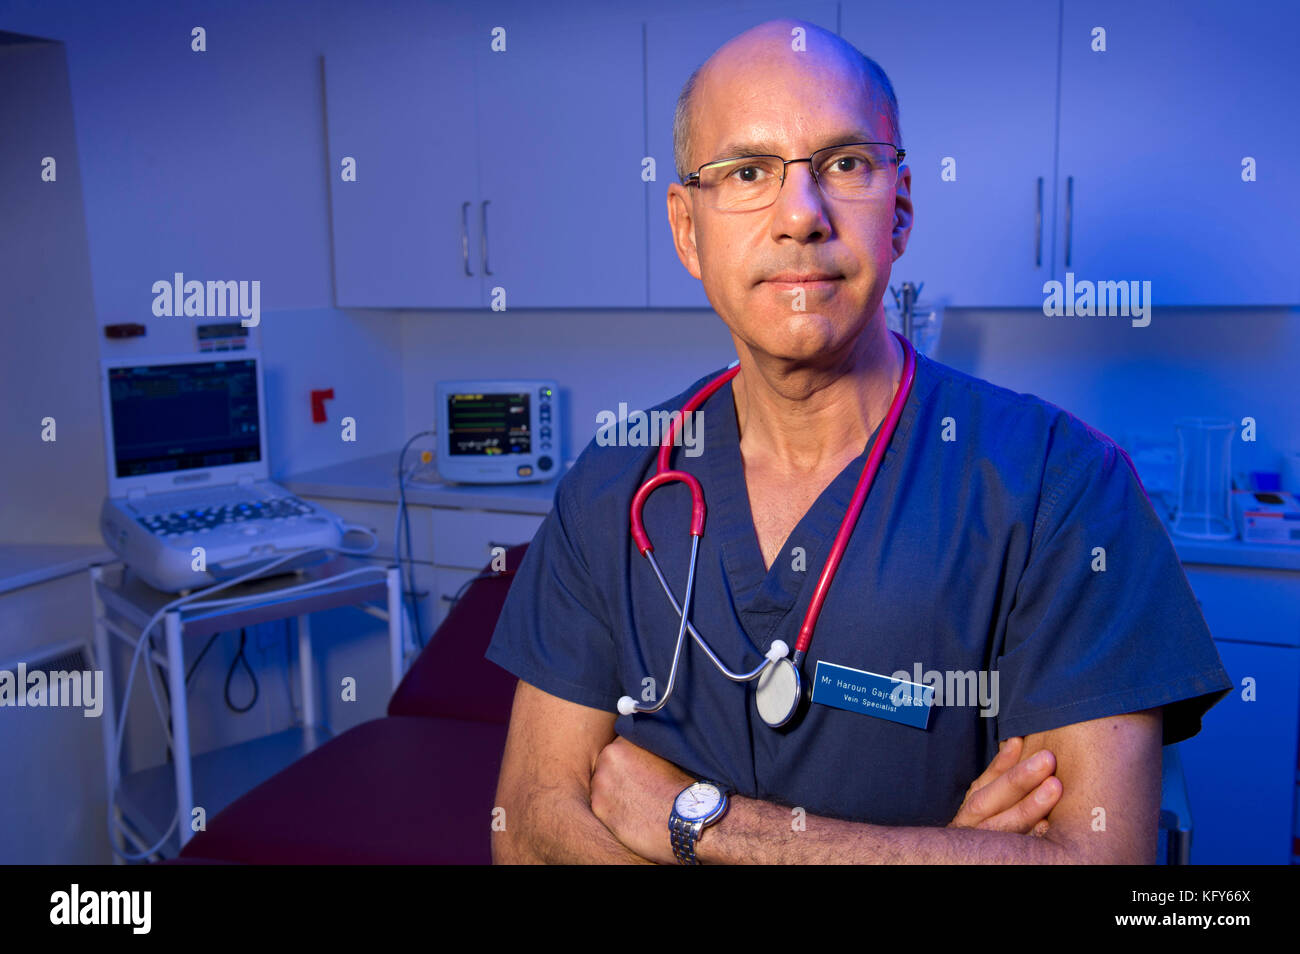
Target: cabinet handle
[486, 270]
[1069, 218]
[1038, 227]
[464, 236]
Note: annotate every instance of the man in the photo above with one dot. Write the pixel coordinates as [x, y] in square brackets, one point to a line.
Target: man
[976, 551]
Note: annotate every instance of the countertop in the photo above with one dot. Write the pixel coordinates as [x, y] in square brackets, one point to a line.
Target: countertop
[22, 564]
[375, 479]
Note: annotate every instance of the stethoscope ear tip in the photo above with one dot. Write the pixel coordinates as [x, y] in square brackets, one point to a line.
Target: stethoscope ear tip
[626, 705]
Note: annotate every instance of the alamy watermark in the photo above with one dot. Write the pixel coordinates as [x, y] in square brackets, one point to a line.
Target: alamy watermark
[1086, 298]
[195, 299]
[133, 909]
[646, 429]
[60, 689]
[952, 687]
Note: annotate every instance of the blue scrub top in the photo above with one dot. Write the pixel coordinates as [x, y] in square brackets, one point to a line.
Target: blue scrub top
[972, 553]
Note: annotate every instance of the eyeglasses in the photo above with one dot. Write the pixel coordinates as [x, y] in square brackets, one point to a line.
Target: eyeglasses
[851, 172]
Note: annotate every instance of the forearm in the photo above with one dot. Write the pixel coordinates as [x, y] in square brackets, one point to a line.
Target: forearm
[558, 829]
[754, 832]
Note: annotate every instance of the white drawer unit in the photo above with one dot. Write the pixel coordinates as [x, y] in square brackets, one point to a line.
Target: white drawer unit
[464, 538]
[1248, 604]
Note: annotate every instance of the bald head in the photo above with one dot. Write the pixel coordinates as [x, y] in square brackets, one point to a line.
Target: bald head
[771, 41]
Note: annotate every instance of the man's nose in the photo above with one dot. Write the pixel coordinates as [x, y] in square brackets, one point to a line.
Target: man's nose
[800, 207]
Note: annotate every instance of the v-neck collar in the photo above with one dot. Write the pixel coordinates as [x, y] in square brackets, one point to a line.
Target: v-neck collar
[766, 596]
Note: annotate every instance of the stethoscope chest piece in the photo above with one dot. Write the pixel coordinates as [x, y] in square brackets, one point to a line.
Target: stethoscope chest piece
[778, 693]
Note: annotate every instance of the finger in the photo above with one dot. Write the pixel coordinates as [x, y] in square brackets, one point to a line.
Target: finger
[1008, 755]
[1041, 828]
[1006, 790]
[1030, 813]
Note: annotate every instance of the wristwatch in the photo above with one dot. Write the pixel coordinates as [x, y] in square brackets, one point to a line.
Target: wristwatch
[699, 805]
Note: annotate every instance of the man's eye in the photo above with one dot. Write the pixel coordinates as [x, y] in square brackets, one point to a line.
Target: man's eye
[749, 173]
[846, 165]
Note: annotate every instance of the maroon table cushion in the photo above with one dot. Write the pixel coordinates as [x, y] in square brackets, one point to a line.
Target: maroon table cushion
[398, 790]
[450, 677]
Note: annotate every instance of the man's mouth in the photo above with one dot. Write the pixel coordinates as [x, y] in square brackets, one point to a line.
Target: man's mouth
[801, 279]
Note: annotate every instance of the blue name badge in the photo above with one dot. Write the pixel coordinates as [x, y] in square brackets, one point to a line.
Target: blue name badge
[882, 696]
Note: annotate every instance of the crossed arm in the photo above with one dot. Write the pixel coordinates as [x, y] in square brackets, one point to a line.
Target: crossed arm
[574, 792]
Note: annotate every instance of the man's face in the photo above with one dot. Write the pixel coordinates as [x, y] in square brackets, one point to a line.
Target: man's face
[791, 104]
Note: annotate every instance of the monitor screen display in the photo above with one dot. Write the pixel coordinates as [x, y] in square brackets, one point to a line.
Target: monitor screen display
[173, 417]
[488, 424]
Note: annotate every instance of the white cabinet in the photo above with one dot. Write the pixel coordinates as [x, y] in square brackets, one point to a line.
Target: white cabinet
[404, 112]
[480, 168]
[1241, 767]
[977, 128]
[1032, 154]
[1146, 183]
[1154, 132]
[561, 138]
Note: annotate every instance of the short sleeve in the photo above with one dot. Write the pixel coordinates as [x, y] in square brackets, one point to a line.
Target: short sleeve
[1083, 642]
[553, 631]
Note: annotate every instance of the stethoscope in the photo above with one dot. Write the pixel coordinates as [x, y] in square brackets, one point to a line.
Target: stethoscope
[780, 685]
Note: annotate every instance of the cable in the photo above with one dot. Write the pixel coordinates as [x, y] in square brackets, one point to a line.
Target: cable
[404, 520]
[404, 523]
[288, 672]
[453, 600]
[145, 640]
[490, 575]
[188, 676]
[211, 639]
[234, 664]
[153, 693]
[165, 718]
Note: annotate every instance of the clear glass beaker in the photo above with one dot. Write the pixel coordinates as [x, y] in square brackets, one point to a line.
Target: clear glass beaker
[927, 322]
[1204, 479]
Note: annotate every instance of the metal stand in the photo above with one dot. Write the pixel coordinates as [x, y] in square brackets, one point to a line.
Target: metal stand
[123, 606]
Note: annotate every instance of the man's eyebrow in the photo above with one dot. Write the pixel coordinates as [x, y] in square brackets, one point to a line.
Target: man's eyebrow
[766, 148]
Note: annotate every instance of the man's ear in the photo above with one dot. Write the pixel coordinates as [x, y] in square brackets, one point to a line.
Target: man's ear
[902, 211]
[681, 219]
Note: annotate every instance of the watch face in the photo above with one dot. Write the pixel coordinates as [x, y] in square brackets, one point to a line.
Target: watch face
[698, 801]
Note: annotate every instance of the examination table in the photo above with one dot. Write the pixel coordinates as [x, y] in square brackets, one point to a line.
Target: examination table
[415, 787]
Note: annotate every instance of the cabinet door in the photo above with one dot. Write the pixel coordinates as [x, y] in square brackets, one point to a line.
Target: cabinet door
[1240, 768]
[675, 46]
[1154, 132]
[978, 130]
[561, 133]
[404, 111]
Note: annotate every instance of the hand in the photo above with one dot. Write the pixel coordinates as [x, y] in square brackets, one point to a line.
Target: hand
[632, 793]
[1012, 796]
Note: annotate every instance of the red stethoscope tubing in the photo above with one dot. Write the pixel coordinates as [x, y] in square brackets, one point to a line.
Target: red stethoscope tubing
[859, 499]
[665, 474]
